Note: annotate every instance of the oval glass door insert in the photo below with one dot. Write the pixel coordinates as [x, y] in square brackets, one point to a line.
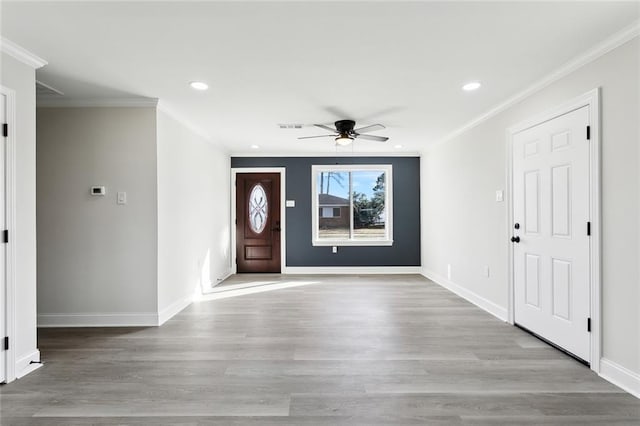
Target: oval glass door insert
[257, 209]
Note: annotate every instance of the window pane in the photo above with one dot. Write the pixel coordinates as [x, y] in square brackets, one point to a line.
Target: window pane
[333, 193]
[369, 214]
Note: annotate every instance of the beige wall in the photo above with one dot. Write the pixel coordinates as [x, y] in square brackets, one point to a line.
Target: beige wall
[465, 227]
[193, 214]
[96, 258]
[21, 79]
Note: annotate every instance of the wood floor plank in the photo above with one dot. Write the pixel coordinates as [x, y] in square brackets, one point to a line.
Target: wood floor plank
[318, 350]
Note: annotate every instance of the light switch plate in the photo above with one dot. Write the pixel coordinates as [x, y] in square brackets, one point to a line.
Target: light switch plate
[291, 203]
[122, 198]
[499, 195]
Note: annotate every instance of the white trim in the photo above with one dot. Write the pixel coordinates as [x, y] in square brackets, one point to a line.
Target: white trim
[620, 376]
[106, 319]
[485, 304]
[590, 99]
[173, 309]
[27, 364]
[21, 54]
[388, 202]
[350, 270]
[10, 194]
[283, 211]
[334, 154]
[600, 49]
[219, 280]
[98, 103]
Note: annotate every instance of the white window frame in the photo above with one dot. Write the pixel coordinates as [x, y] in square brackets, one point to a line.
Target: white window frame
[388, 204]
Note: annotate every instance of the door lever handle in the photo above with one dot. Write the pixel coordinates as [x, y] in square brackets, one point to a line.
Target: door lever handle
[515, 239]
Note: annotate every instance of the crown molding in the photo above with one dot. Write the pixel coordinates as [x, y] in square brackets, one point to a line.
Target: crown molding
[97, 102]
[21, 54]
[600, 49]
[279, 154]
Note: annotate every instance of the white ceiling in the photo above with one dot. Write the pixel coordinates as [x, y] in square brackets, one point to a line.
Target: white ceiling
[398, 64]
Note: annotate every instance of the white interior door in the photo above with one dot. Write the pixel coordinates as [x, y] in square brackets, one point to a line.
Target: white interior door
[3, 275]
[551, 188]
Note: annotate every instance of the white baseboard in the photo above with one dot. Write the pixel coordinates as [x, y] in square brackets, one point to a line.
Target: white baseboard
[112, 319]
[358, 270]
[25, 366]
[494, 309]
[620, 376]
[218, 281]
[170, 311]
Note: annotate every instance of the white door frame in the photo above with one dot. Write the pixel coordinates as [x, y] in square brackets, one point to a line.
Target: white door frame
[10, 259]
[592, 100]
[283, 222]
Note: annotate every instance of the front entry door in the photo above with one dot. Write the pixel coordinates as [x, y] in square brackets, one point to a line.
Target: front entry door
[551, 187]
[258, 222]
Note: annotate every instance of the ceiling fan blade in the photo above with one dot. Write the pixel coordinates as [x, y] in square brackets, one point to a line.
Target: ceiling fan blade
[320, 136]
[371, 128]
[372, 138]
[322, 126]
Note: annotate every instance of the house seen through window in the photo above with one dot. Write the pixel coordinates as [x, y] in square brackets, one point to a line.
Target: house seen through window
[352, 205]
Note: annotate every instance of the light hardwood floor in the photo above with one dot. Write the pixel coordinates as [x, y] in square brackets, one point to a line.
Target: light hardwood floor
[309, 350]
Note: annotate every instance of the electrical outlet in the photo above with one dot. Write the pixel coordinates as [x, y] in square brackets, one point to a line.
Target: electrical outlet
[334, 249]
[449, 271]
[486, 271]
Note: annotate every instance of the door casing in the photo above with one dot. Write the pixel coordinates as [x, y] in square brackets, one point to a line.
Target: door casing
[592, 100]
[10, 256]
[283, 219]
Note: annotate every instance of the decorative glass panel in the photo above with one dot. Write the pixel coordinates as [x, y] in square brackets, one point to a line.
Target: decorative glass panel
[258, 209]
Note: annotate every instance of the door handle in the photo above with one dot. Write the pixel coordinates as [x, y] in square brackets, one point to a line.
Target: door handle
[515, 239]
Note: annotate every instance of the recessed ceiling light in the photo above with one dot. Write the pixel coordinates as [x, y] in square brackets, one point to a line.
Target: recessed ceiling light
[254, 147]
[471, 86]
[199, 85]
[397, 146]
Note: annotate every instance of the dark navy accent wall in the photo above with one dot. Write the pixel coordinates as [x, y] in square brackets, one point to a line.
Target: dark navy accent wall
[405, 250]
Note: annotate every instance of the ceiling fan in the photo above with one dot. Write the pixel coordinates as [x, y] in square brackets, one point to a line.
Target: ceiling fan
[344, 132]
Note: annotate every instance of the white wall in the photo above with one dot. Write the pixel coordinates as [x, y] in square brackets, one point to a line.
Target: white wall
[193, 214]
[465, 227]
[21, 78]
[97, 260]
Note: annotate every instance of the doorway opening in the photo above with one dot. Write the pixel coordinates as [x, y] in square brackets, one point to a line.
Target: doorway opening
[554, 227]
[258, 220]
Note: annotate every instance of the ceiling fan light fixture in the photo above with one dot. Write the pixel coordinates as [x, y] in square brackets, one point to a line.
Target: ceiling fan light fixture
[344, 140]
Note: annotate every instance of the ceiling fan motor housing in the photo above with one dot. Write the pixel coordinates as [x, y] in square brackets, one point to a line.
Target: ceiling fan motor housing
[345, 127]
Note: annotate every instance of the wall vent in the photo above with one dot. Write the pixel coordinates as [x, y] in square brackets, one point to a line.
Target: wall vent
[43, 90]
[290, 126]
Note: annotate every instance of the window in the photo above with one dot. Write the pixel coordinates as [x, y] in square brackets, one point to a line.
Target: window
[329, 212]
[352, 205]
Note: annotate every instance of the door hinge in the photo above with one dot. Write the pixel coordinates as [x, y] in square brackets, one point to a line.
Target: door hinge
[5, 236]
[589, 325]
[6, 343]
[5, 130]
[588, 133]
[589, 228]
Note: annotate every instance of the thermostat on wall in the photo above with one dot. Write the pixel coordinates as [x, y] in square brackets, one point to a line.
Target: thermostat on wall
[98, 190]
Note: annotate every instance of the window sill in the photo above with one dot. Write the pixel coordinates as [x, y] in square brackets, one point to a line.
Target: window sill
[346, 243]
